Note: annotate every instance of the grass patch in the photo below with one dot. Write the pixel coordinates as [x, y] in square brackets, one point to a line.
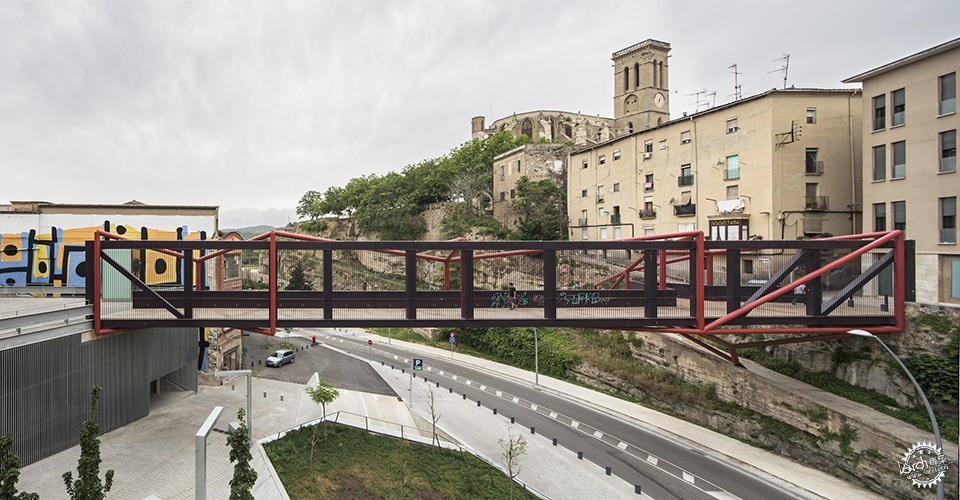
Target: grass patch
[351, 463]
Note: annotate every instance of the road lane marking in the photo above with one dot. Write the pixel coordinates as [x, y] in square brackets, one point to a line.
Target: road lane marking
[688, 477]
[454, 378]
[598, 434]
[499, 394]
[534, 407]
[574, 424]
[553, 414]
[483, 387]
[653, 460]
[516, 399]
[441, 372]
[622, 445]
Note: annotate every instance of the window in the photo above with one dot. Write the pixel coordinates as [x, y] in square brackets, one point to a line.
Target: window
[948, 220]
[648, 182]
[626, 78]
[603, 233]
[948, 151]
[898, 100]
[600, 212]
[629, 127]
[602, 159]
[648, 147]
[733, 168]
[617, 233]
[584, 233]
[899, 168]
[686, 226]
[616, 155]
[733, 192]
[583, 193]
[600, 194]
[585, 164]
[583, 217]
[616, 187]
[747, 266]
[648, 203]
[899, 215]
[879, 112]
[729, 230]
[513, 193]
[518, 166]
[732, 126]
[879, 163]
[685, 137]
[811, 115]
[686, 176]
[231, 266]
[948, 94]
[648, 231]
[503, 172]
[663, 145]
[879, 216]
[503, 196]
[811, 165]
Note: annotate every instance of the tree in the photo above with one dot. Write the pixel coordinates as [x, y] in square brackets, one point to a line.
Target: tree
[513, 449]
[10, 472]
[298, 278]
[244, 476]
[434, 417]
[88, 485]
[321, 394]
[541, 207]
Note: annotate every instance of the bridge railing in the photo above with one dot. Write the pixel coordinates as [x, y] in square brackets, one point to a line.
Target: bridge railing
[675, 282]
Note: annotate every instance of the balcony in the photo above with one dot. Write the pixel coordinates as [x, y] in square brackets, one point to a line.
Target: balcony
[816, 203]
[685, 180]
[648, 213]
[599, 198]
[614, 218]
[648, 186]
[814, 168]
[685, 210]
[582, 221]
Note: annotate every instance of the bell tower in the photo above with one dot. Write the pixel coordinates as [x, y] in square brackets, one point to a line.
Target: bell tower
[641, 97]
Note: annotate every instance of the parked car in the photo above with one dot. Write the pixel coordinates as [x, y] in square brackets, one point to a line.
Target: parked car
[280, 358]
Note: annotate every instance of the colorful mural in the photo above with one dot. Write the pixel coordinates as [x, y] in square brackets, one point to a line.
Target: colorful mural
[58, 258]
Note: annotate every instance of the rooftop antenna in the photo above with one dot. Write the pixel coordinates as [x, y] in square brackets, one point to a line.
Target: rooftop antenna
[698, 94]
[736, 81]
[713, 98]
[784, 68]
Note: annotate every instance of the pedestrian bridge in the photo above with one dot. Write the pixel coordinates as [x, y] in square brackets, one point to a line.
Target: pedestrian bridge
[703, 290]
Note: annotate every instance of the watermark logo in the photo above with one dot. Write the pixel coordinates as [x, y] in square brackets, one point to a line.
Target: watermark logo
[924, 465]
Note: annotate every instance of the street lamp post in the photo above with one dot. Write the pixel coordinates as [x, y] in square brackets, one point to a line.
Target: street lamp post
[923, 397]
[536, 357]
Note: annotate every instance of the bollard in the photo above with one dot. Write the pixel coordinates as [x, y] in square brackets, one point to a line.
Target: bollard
[381, 363]
[636, 489]
[494, 411]
[392, 368]
[554, 441]
[478, 403]
[533, 430]
[414, 375]
[281, 397]
[232, 386]
[464, 395]
[403, 370]
[438, 385]
[609, 470]
[513, 420]
[580, 455]
[264, 393]
[451, 390]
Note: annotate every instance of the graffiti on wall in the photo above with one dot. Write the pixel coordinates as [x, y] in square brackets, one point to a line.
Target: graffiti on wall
[57, 258]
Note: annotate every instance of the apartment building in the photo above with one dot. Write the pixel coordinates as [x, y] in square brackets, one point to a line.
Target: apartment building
[911, 183]
[783, 164]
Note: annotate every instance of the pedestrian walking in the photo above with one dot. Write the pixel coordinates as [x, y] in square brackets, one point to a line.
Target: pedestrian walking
[798, 293]
[512, 296]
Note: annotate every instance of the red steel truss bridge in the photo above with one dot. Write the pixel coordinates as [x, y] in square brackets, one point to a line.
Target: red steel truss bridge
[714, 293]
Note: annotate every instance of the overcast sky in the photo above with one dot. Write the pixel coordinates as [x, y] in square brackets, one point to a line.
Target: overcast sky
[247, 105]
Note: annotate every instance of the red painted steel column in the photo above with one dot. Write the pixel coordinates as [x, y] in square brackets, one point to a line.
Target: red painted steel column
[446, 275]
[698, 291]
[710, 269]
[900, 288]
[97, 283]
[274, 259]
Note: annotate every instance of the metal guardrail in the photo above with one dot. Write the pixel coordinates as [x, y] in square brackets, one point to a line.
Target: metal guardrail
[69, 319]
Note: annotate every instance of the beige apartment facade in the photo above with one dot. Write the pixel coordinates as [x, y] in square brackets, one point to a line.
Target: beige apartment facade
[534, 161]
[780, 165]
[910, 125]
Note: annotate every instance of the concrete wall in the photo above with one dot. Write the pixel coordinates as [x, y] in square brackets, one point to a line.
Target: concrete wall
[45, 386]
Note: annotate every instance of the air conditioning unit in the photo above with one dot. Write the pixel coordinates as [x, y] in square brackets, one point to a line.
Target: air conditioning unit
[646, 156]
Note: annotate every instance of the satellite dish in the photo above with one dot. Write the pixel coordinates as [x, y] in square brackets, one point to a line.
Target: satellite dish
[671, 201]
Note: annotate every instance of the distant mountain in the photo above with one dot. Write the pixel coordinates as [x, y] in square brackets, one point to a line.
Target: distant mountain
[251, 231]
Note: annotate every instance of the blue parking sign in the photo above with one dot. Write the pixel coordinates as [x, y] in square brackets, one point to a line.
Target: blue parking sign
[417, 364]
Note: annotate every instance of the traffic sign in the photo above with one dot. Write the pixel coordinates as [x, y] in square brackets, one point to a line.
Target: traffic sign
[453, 339]
[370, 342]
[417, 364]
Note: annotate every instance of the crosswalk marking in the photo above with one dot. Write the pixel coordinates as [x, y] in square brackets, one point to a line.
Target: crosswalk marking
[622, 445]
[598, 434]
[688, 477]
[653, 460]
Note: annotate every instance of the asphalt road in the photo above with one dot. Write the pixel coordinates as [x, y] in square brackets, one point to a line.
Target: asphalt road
[605, 440]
